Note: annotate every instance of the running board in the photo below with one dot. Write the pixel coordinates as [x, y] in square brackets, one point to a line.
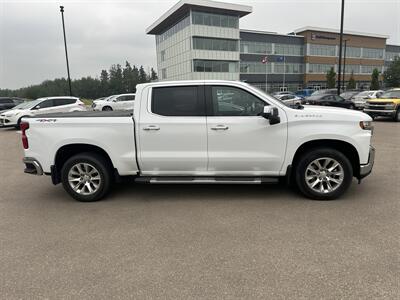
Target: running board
[207, 180]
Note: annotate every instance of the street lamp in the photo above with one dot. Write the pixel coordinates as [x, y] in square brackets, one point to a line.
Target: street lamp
[340, 49]
[66, 52]
[344, 61]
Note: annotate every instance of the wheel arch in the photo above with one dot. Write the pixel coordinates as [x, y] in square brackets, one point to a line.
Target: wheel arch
[67, 151]
[342, 146]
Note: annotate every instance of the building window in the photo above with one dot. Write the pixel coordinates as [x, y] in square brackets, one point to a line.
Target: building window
[215, 66]
[164, 73]
[288, 49]
[355, 69]
[215, 44]
[369, 69]
[288, 68]
[201, 18]
[255, 47]
[322, 50]
[172, 30]
[390, 56]
[255, 67]
[352, 51]
[319, 68]
[163, 55]
[372, 53]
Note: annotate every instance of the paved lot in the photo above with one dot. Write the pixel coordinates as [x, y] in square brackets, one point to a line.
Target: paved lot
[200, 241]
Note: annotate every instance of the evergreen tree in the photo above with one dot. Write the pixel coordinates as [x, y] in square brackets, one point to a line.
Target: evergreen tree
[116, 84]
[142, 75]
[391, 77]
[331, 78]
[374, 80]
[127, 78]
[153, 75]
[104, 82]
[352, 83]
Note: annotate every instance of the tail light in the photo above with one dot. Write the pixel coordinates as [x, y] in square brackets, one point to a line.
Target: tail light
[80, 103]
[24, 126]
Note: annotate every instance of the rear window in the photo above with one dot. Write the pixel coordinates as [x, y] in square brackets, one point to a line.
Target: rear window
[58, 102]
[177, 101]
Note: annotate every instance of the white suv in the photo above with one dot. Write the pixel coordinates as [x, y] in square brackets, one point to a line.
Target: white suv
[40, 106]
[361, 98]
[115, 102]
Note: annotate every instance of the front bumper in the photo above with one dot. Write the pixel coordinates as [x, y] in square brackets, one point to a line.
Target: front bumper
[366, 169]
[380, 112]
[32, 166]
[7, 121]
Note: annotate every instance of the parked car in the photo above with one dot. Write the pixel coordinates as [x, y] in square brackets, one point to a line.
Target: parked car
[290, 99]
[362, 97]
[324, 92]
[304, 93]
[348, 94]
[185, 132]
[388, 105]
[115, 102]
[7, 103]
[40, 106]
[329, 100]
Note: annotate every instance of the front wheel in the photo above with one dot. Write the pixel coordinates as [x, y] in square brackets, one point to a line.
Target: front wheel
[352, 106]
[107, 108]
[397, 116]
[86, 177]
[323, 174]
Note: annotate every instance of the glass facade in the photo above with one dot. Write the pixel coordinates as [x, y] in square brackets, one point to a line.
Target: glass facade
[288, 49]
[201, 18]
[369, 69]
[215, 66]
[372, 53]
[273, 68]
[352, 52]
[172, 30]
[322, 50]
[319, 68]
[390, 56]
[352, 68]
[288, 68]
[255, 47]
[255, 67]
[215, 44]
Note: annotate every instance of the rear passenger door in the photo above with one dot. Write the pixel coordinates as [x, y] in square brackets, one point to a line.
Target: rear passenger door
[63, 105]
[172, 131]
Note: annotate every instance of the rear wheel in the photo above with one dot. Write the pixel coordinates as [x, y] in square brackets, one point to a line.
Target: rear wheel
[107, 108]
[352, 106]
[86, 177]
[397, 116]
[323, 174]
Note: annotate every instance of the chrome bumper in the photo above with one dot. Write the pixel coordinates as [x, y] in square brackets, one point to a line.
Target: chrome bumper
[366, 169]
[32, 166]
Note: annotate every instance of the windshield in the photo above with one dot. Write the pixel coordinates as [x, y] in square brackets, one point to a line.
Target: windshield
[28, 104]
[391, 94]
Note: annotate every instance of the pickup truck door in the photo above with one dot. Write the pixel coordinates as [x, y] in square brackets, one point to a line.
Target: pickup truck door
[240, 141]
[172, 131]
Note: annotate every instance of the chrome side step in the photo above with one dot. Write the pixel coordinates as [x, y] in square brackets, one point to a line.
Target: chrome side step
[207, 180]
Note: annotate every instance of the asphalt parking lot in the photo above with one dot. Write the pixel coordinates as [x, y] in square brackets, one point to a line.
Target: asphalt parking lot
[200, 241]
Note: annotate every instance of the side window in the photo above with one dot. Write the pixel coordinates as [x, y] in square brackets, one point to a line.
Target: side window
[45, 104]
[120, 98]
[231, 101]
[59, 102]
[177, 101]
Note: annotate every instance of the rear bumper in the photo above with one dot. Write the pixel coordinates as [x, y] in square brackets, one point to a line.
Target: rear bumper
[32, 166]
[366, 169]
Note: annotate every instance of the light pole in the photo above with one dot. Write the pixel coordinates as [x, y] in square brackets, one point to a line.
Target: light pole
[66, 52]
[340, 49]
[344, 61]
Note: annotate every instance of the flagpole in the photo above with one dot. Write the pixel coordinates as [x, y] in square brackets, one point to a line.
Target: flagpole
[284, 71]
[266, 77]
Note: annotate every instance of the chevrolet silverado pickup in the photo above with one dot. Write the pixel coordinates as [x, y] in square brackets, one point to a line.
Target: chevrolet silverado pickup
[387, 105]
[206, 132]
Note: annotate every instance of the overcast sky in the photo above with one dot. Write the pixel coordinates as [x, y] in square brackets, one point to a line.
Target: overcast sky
[101, 33]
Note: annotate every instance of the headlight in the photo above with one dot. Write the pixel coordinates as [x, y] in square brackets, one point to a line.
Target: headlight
[366, 125]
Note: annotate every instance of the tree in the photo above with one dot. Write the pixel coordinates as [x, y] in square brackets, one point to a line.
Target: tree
[153, 75]
[331, 78]
[374, 80]
[352, 83]
[142, 75]
[104, 84]
[116, 84]
[127, 78]
[391, 76]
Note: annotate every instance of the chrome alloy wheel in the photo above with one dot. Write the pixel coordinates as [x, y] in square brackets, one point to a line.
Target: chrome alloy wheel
[84, 179]
[324, 175]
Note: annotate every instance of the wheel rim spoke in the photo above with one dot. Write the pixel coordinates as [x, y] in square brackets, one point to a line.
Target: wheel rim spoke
[84, 178]
[324, 175]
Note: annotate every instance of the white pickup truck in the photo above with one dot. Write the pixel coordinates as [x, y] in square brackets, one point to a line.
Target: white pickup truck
[201, 132]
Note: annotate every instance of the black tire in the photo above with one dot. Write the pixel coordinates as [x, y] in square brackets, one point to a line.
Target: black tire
[352, 106]
[100, 164]
[107, 108]
[397, 116]
[319, 153]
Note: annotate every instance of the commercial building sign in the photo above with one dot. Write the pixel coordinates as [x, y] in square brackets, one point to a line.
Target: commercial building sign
[315, 36]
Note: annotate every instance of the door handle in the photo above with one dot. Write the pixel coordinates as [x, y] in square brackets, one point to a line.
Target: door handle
[151, 127]
[220, 127]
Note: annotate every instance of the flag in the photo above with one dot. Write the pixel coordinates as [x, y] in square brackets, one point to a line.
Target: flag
[265, 60]
[280, 59]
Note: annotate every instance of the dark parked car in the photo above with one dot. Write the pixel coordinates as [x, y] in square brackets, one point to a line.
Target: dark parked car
[348, 94]
[8, 102]
[330, 100]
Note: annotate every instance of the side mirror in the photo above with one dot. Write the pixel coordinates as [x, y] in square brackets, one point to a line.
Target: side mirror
[272, 114]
